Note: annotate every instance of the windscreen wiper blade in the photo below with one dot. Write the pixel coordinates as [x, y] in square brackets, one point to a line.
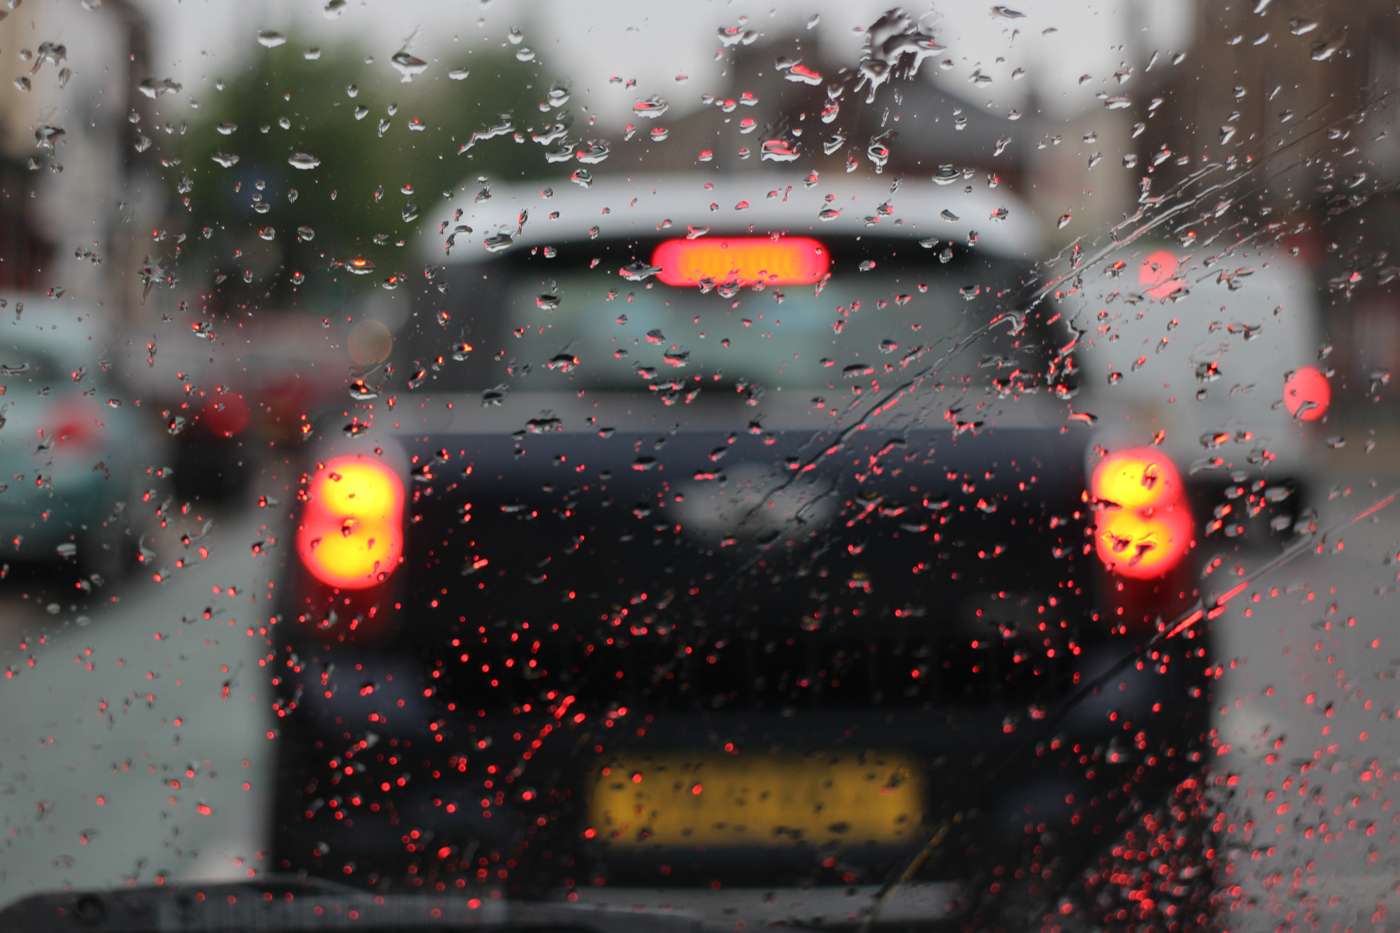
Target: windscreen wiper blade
[291, 905]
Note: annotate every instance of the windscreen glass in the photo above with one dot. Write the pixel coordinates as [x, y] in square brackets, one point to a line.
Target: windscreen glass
[512, 463]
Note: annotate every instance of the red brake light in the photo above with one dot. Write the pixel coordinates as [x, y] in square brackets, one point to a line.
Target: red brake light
[1307, 394]
[744, 260]
[1143, 525]
[351, 534]
[1157, 274]
[224, 416]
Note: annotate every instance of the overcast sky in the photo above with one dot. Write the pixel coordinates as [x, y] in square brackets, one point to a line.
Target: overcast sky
[1055, 41]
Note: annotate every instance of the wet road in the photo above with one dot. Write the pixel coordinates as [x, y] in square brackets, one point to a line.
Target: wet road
[133, 735]
[123, 757]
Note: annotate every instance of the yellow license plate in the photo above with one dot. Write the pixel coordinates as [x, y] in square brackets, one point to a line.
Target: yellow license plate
[714, 799]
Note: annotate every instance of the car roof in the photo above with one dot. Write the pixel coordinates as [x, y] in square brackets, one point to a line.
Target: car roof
[642, 205]
[61, 329]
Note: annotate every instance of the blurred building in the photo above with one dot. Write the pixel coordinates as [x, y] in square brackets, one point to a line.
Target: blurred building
[68, 147]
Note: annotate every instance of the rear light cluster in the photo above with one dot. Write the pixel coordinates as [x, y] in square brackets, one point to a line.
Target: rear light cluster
[1143, 522]
[351, 535]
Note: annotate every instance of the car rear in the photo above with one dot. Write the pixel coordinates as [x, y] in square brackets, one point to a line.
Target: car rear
[678, 624]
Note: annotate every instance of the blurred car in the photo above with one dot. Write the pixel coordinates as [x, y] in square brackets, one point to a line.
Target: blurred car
[70, 445]
[596, 600]
[1213, 356]
[228, 392]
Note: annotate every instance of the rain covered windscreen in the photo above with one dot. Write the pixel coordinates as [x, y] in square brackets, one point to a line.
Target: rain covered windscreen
[592, 466]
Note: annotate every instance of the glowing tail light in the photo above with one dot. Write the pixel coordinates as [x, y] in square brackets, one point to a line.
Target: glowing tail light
[742, 260]
[351, 534]
[1307, 394]
[1143, 525]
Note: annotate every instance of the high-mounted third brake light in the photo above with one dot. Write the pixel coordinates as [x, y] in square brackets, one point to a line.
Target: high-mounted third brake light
[742, 260]
[351, 534]
[1143, 526]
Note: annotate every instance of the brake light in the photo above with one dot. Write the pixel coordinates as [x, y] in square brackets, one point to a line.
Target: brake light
[1157, 274]
[74, 428]
[351, 534]
[224, 416]
[1307, 393]
[1143, 524]
[743, 260]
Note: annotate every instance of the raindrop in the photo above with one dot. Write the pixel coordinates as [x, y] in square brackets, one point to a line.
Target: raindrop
[407, 65]
[304, 161]
[1007, 12]
[1063, 221]
[227, 160]
[458, 74]
[499, 242]
[267, 233]
[651, 108]
[638, 271]
[595, 151]
[271, 40]
[525, 55]
[777, 150]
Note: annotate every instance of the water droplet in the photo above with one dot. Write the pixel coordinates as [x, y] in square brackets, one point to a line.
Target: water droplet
[638, 271]
[271, 40]
[333, 9]
[306, 234]
[593, 152]
[1007, 12]
[359, 266]
[407, 65]
[499, 242]
[227, 160]
[1063, 221]
[458, 74]
[651, 108]
[524, 54]
[152, 88]
[267, 233]
[304, 161]
[659, 133]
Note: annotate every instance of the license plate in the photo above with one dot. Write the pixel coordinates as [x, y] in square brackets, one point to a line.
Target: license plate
[713, 799]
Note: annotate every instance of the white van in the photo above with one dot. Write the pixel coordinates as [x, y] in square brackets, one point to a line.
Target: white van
[1213, 355]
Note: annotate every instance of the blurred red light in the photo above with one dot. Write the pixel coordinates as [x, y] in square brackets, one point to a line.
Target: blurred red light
[351, 535]
[743, 260]
[1143, 525]
[1307, 393]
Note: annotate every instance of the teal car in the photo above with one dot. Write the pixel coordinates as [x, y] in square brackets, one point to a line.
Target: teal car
[75, 456]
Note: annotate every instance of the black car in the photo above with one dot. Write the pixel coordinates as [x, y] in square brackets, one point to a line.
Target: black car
[647, 574]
